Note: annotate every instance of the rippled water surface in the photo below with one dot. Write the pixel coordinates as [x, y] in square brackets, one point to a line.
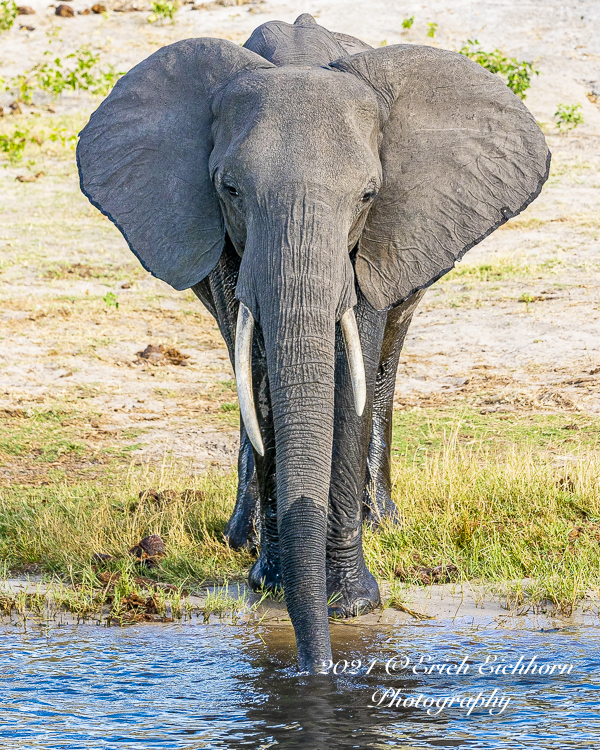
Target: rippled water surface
[218, 686]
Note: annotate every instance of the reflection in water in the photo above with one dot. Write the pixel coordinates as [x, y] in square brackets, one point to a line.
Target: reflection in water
[217, 686]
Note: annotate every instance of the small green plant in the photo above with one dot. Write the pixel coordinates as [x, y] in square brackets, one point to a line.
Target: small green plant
[431, 29]
[83, 76]
[111, 300]
[408, 22]
[568, 116]
[515, 73]
[162, 11]
[229, 407]
[55, 77]
[8, 13]
[220, 602]
[527, 299]
[62, 135]
[13, 145]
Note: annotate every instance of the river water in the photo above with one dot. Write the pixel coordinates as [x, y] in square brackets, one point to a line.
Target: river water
[198, 686]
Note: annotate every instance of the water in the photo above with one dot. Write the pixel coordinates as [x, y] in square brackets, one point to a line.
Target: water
[218, 686]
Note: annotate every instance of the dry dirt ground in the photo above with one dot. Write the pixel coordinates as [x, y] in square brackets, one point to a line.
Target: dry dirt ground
[70, 376]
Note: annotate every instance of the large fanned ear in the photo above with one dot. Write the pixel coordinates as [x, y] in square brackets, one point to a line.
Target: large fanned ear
[460, 155]
[143, 156]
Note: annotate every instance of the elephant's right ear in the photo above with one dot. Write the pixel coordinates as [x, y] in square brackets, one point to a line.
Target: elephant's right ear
[143, 156]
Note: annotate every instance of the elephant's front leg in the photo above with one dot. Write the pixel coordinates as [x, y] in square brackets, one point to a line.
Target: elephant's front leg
[243, 528]
[377, 500]
[351, 588]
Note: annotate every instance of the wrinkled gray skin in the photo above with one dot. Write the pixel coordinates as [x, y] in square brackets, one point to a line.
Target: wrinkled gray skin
[304, 175]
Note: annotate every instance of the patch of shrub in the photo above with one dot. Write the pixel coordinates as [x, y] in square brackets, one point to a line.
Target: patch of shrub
[8, 13]
[162, 10]
[83, 74]
[515, 73]
[568, 116]
[13, 145]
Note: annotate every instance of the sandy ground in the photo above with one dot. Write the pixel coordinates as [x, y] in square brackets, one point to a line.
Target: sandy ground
[472, 341]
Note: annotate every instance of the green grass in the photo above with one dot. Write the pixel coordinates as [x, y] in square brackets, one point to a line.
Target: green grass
[40, 436]
[515, 519]
[504, 497]
[61, 526]
[501, 270]
[43, 436]
[418, 432]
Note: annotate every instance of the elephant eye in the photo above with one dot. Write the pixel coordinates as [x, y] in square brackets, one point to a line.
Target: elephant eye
[369, 195]
[231, 190]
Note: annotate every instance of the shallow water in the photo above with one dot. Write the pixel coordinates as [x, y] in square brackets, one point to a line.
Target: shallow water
[218, 686]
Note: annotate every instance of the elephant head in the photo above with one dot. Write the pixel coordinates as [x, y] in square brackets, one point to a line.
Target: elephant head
[377, 170]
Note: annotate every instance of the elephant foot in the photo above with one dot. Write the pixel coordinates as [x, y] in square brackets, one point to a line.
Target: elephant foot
[265, 575]
[352, 594]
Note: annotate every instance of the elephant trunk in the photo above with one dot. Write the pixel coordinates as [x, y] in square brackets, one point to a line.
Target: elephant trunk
[298, 283]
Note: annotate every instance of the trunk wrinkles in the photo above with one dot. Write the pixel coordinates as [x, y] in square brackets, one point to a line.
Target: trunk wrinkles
[297, 280]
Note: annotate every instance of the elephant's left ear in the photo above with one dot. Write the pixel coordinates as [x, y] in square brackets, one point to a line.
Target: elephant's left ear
[460, 155]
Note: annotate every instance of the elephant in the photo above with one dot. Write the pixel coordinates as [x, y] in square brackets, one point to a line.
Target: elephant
[309, 188]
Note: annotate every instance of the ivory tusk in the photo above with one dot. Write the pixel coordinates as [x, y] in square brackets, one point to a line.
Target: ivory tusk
[243, 375]
[355, 360]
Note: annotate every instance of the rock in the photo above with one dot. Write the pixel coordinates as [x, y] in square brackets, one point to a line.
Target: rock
[99, 558]
[64, 11]
[99, 8]
[1, 111]
[23, 27]
[15, 108]
[163, 355]
[149, 551]
[193, 496]
[85, 12]
[25, 10]
[29, 177]
[428, 576]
